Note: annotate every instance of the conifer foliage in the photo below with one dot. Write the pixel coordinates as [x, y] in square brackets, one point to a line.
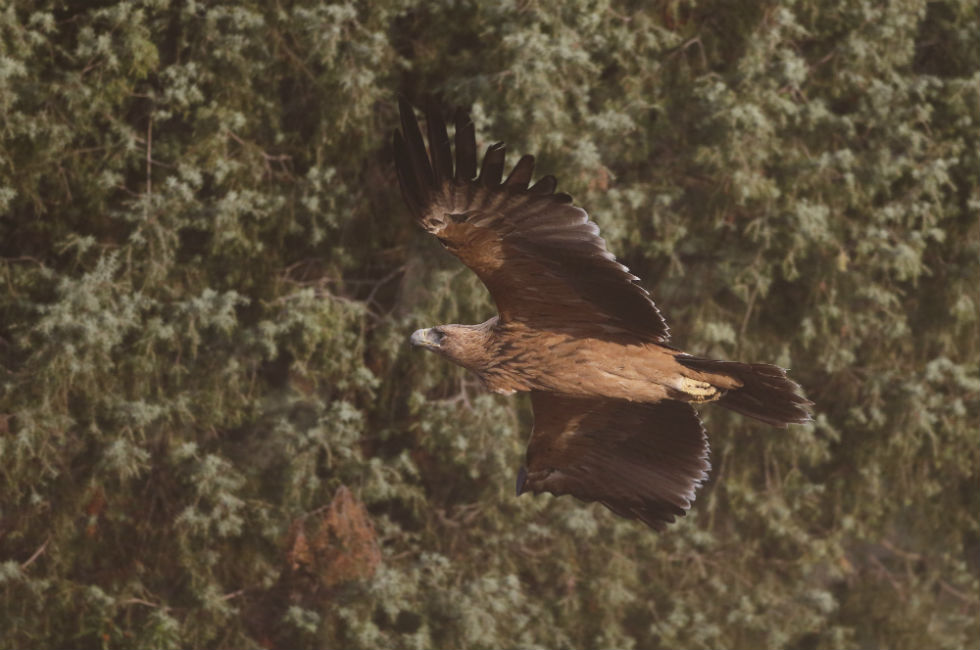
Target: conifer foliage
[213, 433]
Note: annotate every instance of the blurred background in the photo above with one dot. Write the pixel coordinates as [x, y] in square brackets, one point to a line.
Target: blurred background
[214, 434]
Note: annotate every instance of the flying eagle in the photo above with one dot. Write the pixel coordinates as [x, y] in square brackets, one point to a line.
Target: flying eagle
[613, 414]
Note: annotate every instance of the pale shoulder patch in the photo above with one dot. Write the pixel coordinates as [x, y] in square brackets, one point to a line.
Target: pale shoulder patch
[699, 391]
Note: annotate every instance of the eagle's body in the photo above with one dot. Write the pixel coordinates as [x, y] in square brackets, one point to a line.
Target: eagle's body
[612, 400]
[514, 357]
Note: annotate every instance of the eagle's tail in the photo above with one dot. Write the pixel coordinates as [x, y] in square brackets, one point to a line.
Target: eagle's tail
[766, 393]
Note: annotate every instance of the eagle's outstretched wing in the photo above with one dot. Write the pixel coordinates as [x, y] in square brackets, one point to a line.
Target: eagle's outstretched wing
[541, 258]
[642, 461]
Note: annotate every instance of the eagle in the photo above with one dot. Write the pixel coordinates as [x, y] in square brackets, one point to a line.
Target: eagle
[613, 401]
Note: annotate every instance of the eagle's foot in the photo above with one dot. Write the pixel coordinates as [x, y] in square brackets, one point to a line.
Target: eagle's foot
[698, 391]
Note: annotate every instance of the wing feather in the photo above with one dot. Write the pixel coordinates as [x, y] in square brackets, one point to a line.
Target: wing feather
[642, 461]
[493, 165]
[521, 174]
[411, 192]
[540, 256]
[465, 146]
[545, 185]
[442, 155]
[420, 170]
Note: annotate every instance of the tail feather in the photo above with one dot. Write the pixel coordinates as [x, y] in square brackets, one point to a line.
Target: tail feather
[766, 393]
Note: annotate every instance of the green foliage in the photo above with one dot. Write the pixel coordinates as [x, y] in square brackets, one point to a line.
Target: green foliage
[212, 433]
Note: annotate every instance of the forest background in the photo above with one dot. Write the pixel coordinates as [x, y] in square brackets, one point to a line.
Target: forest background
[213, 432]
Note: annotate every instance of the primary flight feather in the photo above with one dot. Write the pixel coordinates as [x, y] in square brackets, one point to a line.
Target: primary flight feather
[613, 414]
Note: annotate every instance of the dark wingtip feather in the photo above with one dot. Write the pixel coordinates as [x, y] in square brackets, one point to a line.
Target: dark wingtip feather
[493, 165]
[520, 176]
[442, 157]
[545, 185]
[411, 193]
[465, 147]
[419, 166]
[521, 481]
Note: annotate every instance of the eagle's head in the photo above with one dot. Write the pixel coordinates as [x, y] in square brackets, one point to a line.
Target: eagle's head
[465, 345]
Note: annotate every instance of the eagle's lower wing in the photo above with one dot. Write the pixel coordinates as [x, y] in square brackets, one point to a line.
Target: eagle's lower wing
[541, 258]
[642, 461]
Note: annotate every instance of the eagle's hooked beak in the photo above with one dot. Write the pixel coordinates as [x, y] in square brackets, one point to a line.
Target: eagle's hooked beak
[427, 338]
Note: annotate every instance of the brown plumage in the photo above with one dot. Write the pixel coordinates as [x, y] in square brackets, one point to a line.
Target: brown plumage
[613, 420]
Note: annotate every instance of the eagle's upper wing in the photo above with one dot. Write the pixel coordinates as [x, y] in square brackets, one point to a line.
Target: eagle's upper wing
[642, 461]
[541, 258]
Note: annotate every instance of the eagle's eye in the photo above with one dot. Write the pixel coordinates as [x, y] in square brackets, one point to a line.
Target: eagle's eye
[438, 335]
